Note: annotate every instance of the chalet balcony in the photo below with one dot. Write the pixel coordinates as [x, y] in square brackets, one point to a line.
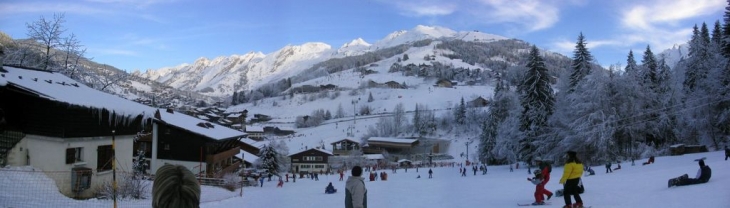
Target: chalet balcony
[225, 155]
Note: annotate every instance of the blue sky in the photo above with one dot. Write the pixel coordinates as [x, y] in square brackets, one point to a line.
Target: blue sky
[150, 34]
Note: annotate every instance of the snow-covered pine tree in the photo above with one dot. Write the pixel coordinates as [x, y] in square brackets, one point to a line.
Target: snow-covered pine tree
[417, 125]
[537, 102]
[234, 98]
[460, 112]
[340, 113]
[269, 159]
[631, 67]
[581, 62]
[501, 104]
[370, 97]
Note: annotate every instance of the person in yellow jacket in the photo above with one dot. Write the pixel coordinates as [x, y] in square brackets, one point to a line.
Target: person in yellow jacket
[571, 177]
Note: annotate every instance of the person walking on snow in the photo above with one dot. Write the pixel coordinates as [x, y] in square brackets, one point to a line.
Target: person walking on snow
[571, 177]
[727, 152]
[430, 173]
[608, 167]
[356, 196]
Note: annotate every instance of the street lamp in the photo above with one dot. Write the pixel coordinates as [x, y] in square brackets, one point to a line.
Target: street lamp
[467, 149]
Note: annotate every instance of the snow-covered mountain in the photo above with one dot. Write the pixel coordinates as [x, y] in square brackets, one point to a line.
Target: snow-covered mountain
[224, 75]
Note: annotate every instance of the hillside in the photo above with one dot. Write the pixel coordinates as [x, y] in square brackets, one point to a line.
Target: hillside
[224, 75]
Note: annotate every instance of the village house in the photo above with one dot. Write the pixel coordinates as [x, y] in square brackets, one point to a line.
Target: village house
[478, 102]
[206, 148]
[345, 147]
[444, 83]
[255, 132]
[66, 129]
[310, 161]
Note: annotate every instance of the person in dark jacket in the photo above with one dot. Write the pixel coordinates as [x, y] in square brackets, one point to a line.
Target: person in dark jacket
[330, 189]
[727, 152]
[703, 175]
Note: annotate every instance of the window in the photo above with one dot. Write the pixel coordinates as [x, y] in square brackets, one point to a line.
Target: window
[312, 158]
[73, 155]
[105, 154]
[319, 166]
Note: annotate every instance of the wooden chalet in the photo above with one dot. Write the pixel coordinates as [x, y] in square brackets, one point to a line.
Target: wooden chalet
[444, 83]
[255, 132]
[311, 160]
[478, 102]
[55, 124]
[206, 148]
[345, 147]
[377, 145]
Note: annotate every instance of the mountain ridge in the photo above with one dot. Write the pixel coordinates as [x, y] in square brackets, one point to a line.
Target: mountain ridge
[254, 70]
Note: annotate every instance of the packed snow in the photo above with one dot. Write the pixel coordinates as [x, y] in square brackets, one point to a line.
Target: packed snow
[631, 186]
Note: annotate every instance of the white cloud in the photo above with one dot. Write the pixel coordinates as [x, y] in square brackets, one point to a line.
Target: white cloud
[657, 22]
[133, 3]
[19, 8]
[424, 7]
[532, 14]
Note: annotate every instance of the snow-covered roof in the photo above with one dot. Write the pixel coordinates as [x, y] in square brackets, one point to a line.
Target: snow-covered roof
[345, 139]
[235, 115]
[246, 156]
[202, 117]
[57, 87]
[374, 156]
[321, 150]
[285, 128]
[254, 129]
[403, 160]
[189, 123]
[392, 140]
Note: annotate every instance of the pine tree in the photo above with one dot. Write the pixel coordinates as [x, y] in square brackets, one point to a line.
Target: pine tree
[340, 113]
[498, 112]
[269, 159]
[581, 62]
[726, 33]
[650, 67]
[370, 97]
[537, 101]
[460, 112]
[631, 67]
[234, 98]
[417, 125]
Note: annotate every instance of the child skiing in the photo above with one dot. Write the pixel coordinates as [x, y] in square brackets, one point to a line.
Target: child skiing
[537, 181]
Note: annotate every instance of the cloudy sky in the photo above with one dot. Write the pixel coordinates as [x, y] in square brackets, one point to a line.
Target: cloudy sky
[150, 34]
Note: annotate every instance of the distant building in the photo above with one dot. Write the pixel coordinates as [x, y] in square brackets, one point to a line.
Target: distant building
[311, 160]
[345, 147]
[478, 102]
[444, 83]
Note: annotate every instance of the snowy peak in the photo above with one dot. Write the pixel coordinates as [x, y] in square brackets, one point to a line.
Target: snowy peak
[422, 32]
[359, 42]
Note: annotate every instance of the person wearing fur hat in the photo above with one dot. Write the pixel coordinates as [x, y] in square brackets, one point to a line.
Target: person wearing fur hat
[703, 175]
[572, 172]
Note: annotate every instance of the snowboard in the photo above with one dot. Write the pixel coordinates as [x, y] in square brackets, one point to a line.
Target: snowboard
[675, 181]
[530, 204]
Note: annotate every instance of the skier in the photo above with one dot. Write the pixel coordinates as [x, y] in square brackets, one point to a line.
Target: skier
[545, 170]
[261, 180]
[474, 168]
[727, 152]
[342, 174]
[608, 167]
[430, 173]
[537, 181]
[703, 175]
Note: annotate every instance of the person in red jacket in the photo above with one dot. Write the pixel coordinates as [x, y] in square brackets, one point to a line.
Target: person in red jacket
[540, 190]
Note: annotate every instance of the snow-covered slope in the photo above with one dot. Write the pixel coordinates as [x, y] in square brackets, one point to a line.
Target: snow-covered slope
[223, 75]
